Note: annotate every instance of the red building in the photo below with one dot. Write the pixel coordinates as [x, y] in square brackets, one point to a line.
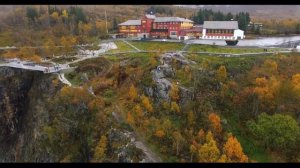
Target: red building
[152, 26]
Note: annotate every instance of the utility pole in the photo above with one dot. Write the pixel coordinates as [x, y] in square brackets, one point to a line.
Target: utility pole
[106, 22]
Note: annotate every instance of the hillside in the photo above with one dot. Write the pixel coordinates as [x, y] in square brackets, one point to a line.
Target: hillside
[145, 106]
[256, 11]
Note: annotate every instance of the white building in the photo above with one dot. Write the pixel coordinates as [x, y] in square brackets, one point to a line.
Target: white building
[223, 30]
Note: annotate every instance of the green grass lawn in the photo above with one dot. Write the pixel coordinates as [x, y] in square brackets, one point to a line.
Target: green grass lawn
[156, 45]
[231, 50]
[122, 47]
[140, 59]
[241, 64]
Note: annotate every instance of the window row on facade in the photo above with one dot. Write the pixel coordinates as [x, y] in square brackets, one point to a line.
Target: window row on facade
[219, 31]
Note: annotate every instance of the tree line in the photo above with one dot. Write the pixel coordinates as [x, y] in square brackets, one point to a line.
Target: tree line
[202, 15]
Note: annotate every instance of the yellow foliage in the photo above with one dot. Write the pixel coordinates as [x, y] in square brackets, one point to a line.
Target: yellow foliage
[55, 82]
[67, 43]
[221, 74]
[270, 66]
[166, 125]
[132, 92]
[96, 104]
[215, 122]
[175, 107]
[74, 95]
[10, 54]
[296, 82]
[138, 111]
[267, 89]
[174, 92]
[87, 28]
[193, 149]
[223, 159]
[209, 152]
[166, 105]
[147, 104]
[35, 58]
[191, 118]
[234, 151]
[100, 149]
[129, 119]
[55, 15]
[49, 47]
[160, 133]
[65, 13]
[26, 52]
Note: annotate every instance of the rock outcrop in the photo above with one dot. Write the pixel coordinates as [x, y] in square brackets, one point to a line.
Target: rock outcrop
[23, 112]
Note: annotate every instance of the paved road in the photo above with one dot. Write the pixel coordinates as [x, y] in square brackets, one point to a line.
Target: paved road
[61, 77]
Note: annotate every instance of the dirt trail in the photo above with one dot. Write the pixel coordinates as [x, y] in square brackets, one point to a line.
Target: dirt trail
[150, 156]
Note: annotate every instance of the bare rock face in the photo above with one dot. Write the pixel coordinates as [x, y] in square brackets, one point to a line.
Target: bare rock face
[163, 73]
[23, 111]
[123, 148]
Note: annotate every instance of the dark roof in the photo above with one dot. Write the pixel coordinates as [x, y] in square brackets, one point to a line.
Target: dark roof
[220, 25]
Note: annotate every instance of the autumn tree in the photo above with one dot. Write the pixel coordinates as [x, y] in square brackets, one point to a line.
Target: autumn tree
[296, 82]
[177, 141]
[160, 133]
[174, 92]
[49, 47]
[175, 107]
[166, 126]
[96, 104]
[270, 67]
[209, 151]
[139, 114]
[26, 53]
[223, 159]
[68, 43]
[215, 122]
[101, 148]
[65, 13]
[132, 93]
[201, 136]
[234, 151]
[221, 73]
[147, 104]
[267, 90]
[129, 118]
[193, 151]
[191, 118]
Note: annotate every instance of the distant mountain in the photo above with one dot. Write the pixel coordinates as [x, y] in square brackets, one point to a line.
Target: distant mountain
[256, 11]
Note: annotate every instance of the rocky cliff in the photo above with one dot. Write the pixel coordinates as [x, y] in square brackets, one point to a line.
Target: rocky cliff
[23, 113]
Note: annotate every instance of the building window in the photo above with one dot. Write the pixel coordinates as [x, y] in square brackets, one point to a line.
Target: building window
[173, 33]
